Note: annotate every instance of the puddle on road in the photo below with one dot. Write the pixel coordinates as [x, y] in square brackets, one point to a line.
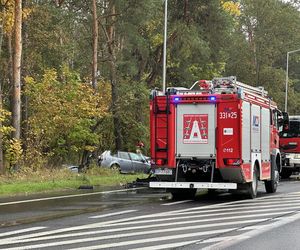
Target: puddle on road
[42, 210]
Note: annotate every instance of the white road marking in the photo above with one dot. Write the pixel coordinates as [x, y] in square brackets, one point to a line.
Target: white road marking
[130, 221]
[244, 210]
[137, 220]
[263, 203]
[69, 196]
[156, 239]
[227, 204]
[166, 246]
[200, 216]
[227, 243]
[156, 226]
[108, 223]
[217, 239]
[112, 214]
[124, 243]
[21, 231]
[176, 202]
[254, 227]
[12, 240]
[240, 206]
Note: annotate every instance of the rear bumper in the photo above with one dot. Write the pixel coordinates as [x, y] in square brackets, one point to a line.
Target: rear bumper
[204, 185]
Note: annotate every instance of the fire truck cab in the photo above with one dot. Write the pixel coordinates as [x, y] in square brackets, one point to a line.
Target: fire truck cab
[290, 146]
[219, 134]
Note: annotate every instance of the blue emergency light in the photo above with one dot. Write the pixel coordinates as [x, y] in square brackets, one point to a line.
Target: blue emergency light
[176, 99]
[212, 98]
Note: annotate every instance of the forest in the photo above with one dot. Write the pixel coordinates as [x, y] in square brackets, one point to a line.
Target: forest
[76, 74]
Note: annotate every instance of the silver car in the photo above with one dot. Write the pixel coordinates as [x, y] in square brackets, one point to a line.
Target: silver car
[125, 162]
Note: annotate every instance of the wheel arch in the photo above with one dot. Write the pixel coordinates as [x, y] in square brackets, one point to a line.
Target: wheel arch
[276, 159]
[114, 163]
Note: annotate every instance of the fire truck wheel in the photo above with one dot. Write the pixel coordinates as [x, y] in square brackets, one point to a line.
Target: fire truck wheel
[271, 185]
[286, 173]
[183, 194]
[252, 186]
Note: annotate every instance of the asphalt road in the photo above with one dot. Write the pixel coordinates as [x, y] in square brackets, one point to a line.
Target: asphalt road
[143, 219]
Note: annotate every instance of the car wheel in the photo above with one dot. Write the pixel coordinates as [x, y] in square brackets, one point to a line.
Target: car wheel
[115, 167]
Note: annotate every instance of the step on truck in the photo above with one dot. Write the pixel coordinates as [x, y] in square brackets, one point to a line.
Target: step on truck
[219, 134]
[290, 147]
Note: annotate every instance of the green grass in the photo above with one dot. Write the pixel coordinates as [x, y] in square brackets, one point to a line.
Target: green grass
[29, 182]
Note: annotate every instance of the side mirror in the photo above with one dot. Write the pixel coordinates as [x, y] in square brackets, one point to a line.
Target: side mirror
[283, 121]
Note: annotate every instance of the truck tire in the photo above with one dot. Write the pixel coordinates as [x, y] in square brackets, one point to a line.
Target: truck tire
[252, 186]
[271, 185]
[183, 194]
[286, 173]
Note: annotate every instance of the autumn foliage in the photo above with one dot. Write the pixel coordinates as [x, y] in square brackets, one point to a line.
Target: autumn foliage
[88, 67]
[64, 115]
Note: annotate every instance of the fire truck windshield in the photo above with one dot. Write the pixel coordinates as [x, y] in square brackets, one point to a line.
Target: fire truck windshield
[293, 131]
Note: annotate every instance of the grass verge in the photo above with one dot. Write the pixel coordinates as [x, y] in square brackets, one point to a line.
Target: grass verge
[28, 182]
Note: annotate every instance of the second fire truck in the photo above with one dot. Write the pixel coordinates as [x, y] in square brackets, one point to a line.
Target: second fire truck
[219, 134]
[290, 146]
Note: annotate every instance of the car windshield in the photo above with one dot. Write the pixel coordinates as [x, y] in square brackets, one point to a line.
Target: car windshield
[294, 130]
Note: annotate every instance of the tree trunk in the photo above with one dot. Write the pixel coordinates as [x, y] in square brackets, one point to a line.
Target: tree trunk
[95, 46]
[25, 72]
[16, 109]
[113, 75]
[1, 107]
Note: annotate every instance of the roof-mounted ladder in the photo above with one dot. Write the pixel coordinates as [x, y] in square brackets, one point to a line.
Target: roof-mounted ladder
[234, 84]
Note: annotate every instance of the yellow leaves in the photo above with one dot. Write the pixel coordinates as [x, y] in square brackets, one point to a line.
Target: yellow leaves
[4, 116]
[157, 40]
[63, 113]
[7, 15]
[14, 151]
[90, 148]
[26, 13]
[231, 7]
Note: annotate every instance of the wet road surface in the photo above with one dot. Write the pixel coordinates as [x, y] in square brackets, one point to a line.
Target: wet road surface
[143, 219]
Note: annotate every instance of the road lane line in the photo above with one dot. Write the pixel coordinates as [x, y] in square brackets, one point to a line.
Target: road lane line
[244, 210]
[112, 214]
[159, 239]
[233, 206]
[255, 227]
[176, 202]
[217, 239]
[200, 216]
[166, 246]
[147, 221]
[227, 243]
[156, 226]
[106, 224]
[26, 230]
[124, 243]
[68, 196]
[226, 204]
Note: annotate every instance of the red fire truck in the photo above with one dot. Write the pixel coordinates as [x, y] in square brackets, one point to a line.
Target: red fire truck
[290, 146]
[219, 134]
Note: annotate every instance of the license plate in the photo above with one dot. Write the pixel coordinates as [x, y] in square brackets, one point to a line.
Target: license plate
[165, 171]
[297, 156]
